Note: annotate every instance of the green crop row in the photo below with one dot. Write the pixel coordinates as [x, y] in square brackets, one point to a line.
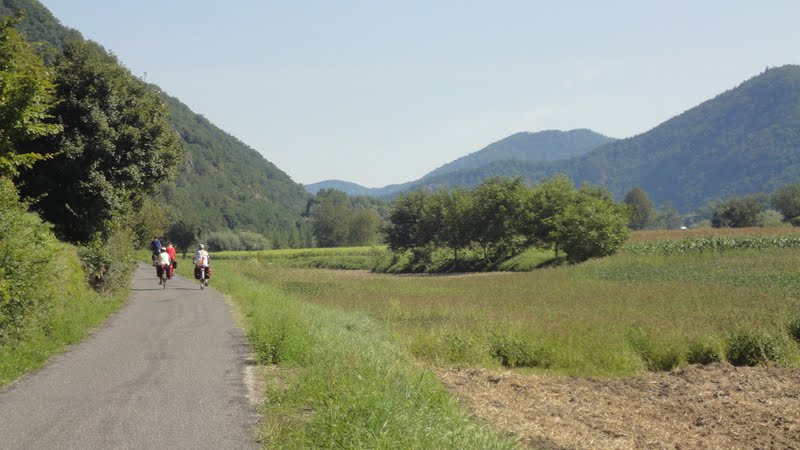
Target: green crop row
[711, 244]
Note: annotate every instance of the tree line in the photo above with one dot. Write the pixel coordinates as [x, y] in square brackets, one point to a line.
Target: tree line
[780, 207]
[502, 216]
[86, 143]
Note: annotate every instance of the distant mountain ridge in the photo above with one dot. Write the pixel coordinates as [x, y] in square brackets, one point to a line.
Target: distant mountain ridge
[548, 145]
[743, 141]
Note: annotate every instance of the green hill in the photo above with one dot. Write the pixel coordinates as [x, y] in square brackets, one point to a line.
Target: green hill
[743, 141]
[222, 183]
[550, 145]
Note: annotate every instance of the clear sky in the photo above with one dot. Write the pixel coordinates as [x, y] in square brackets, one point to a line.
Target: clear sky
[378, 92]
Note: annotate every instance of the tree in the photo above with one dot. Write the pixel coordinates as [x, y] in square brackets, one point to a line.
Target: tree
[666, 217]
[331, 218]
[787, 200]
[499, 205]
[117, 144]
[543, 206]
[457, 230]
[592, 225]
[183, 235]
[407, 229]
[363, 227]
[641, 207]
[26, 96]
[738, 212]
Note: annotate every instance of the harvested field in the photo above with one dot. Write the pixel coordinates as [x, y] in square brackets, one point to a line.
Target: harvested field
[700, 407]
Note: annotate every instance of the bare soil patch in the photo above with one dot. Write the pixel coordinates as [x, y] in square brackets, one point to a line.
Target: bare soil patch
[700, 407]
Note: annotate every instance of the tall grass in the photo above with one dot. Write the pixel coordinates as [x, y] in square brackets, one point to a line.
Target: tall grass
[345, 382]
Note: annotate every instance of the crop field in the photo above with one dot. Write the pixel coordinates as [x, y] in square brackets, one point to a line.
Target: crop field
[630, 351]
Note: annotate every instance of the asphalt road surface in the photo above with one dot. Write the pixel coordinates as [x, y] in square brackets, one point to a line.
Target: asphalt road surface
[167, 371]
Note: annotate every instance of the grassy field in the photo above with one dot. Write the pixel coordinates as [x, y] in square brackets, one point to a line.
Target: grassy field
[615, 316]
[345, 345]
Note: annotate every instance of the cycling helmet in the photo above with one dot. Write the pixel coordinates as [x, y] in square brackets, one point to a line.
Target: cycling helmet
[202, 246]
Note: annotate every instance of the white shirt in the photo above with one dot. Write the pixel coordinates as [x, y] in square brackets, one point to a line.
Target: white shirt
[163, 258]
[201, 258]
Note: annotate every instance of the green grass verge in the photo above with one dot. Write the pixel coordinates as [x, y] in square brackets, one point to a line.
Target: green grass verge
[344, 382]
[76, 310]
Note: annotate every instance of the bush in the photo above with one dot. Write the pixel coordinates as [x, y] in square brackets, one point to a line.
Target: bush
[703, 351]
[109, 264]
[512, 349]
[754, 347]
[794, 328]
[27, 250]
[656, 357]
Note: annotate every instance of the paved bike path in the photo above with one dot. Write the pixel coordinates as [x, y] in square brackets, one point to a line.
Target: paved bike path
[165, 372]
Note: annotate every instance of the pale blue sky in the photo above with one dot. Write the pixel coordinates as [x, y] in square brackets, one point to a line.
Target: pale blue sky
[378, 92]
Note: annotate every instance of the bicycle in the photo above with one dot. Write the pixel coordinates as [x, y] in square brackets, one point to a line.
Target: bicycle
[164, 276]
[203, 279]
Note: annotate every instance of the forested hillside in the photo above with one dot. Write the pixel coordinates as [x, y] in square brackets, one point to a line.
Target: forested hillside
[550, 145]
[746, 140]
[221, 183]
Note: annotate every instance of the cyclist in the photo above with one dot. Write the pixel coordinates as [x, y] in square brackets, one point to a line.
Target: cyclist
[163, 264]
[155, 247]
[201, 262]
[173, 261]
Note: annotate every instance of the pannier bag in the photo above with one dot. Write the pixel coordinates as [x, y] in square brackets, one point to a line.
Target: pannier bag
[197, 273]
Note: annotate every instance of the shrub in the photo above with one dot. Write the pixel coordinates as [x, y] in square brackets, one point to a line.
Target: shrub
[753, 347]
[108, 264]
[794, 328]
[703, 351]
[512, 349]
[27, 250]
[656, 357]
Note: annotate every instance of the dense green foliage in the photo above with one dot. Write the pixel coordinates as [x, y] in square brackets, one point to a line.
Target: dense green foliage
[737, 212]
[26, 96]
[501, 217]
[338, 220]
[787, 200]
[27, 251]
[116, 144]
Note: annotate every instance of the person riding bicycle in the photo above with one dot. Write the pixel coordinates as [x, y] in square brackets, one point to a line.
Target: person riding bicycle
[155, 247]
[173, 261]
[164, 263]
[202, 262]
